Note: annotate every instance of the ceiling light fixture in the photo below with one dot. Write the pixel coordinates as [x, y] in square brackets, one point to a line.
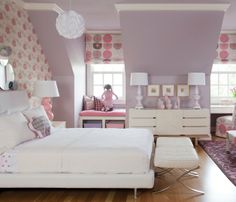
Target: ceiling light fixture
[70, 24]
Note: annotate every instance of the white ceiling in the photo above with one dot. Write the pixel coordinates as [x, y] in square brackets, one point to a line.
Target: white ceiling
[102, 15]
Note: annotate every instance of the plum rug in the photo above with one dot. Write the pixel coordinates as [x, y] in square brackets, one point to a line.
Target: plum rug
[226, 162]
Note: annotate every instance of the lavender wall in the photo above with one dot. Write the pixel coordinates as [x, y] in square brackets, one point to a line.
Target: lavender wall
[66, 60]
[168, 45]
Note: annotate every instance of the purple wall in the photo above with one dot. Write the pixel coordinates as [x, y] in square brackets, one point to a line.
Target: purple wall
[66, 58]
[167, 45]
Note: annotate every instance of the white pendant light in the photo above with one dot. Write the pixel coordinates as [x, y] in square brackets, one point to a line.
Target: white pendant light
[70, 24]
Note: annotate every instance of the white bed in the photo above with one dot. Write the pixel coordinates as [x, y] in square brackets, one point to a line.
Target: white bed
[80, 158]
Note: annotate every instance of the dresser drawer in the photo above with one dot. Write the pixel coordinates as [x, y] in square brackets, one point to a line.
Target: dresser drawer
[134, 122]
[144, 113]
[196, 122]
[187, 130]
[196, 113]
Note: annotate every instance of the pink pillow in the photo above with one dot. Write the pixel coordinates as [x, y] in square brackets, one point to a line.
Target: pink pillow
[40, 126]
[98, 104]
[88, 102]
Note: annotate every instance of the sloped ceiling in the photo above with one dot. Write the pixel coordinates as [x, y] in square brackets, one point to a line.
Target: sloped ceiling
[170, 42]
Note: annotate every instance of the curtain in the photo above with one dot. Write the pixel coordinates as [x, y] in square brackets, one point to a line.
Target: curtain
[103, 48]
[226, 48]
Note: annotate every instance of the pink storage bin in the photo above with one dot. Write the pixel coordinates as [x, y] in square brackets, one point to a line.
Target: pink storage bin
[115, 125]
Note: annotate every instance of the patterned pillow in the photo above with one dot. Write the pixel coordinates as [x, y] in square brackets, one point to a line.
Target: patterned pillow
[98, 105]
[88, 102]
[40, 126]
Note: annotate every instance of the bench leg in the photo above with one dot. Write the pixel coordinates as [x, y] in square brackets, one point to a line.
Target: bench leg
[178, 179]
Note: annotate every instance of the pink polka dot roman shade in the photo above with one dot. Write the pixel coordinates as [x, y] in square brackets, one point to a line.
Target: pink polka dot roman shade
[226, 48]
[103, 48]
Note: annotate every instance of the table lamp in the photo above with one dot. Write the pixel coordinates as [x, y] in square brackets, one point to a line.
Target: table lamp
[139, 79]
[196, 79]
[46, 90]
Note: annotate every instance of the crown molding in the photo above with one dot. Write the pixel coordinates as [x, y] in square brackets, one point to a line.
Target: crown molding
[40, 6]
[172, 7]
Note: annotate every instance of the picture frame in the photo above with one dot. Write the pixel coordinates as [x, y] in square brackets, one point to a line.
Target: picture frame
[182, 90]
[168, 90]
[153, 90]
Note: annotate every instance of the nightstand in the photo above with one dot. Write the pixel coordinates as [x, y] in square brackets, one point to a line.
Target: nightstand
[59, 124]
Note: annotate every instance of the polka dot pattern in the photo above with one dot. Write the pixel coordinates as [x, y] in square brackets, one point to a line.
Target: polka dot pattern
[226, 48]
[28, 61]
[103, 48]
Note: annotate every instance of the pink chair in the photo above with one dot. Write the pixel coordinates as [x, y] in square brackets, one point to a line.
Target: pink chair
[225, 123]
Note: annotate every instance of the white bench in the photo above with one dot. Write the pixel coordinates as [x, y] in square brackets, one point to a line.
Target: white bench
[176, 153]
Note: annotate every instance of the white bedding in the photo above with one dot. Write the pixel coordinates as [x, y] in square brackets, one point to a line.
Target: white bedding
[80, 150]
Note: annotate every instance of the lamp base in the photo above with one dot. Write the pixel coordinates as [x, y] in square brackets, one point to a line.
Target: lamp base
[196, 98]
[47, 104]
[139, 107]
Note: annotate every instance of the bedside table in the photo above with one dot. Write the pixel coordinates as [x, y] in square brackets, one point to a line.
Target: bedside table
[59, 124]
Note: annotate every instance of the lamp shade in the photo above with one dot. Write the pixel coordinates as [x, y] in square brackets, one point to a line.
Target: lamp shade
[139, 79]
[196, 78]
[46, 89]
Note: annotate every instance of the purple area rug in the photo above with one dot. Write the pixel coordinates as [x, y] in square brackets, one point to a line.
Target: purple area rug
[226, 162]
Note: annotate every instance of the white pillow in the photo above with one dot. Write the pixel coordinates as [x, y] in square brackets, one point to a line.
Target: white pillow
[13, 131]
[36, 112]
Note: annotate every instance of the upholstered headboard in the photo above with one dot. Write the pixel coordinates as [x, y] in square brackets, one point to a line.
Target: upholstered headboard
[13, 100]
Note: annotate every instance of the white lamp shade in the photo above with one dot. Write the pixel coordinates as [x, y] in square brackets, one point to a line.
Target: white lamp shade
[46, 89]
[196, 78]
[139, 79]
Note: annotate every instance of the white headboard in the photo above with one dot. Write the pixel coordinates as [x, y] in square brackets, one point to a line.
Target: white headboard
[13, 100]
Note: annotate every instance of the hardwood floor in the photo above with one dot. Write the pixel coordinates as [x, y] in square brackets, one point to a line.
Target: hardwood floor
[212, 181]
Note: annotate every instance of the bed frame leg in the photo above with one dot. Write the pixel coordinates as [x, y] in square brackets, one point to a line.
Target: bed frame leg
[135, 193]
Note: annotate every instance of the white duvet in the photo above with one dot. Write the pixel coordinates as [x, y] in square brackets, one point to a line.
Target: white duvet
[80, 150]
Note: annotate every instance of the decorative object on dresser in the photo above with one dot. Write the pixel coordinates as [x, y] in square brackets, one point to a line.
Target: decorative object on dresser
[153, 90]
[139, 79]
[196, 79]
[174, 122]
[46, 90]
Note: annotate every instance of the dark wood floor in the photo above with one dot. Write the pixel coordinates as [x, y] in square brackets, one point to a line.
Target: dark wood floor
[216, 186]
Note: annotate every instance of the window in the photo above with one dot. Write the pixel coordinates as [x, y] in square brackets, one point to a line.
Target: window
[223, 80]
[100, 74]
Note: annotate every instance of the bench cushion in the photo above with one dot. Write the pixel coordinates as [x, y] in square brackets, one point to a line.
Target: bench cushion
[177, 157]
[174, 142]
[116, 112]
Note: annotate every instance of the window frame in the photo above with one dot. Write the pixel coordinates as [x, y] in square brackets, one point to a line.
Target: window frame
[226, 100]
[89, 79]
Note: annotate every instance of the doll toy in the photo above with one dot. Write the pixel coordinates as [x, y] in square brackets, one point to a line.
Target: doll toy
[107, 98]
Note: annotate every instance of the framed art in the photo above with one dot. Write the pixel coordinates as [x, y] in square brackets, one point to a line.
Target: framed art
[182, 90]
[153, 90]
[168, 90]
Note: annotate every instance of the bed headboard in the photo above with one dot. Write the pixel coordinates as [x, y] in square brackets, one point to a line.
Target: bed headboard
[13, 100]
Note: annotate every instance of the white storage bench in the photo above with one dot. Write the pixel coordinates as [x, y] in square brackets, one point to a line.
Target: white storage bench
[102, 119]
[176, 153]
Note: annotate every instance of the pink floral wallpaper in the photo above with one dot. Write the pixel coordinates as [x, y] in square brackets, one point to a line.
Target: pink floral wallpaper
[28, 59]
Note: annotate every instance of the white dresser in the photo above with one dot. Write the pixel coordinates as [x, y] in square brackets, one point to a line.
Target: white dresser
[189, 122]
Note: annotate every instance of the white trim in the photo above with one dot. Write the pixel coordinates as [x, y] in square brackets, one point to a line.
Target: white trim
[40, 6]
[228, 32]
[172, 7]
[103, 31]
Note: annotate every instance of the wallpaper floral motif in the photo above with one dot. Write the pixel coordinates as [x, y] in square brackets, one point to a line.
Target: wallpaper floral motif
[103, 48]
[28, 59]
[226, 49]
